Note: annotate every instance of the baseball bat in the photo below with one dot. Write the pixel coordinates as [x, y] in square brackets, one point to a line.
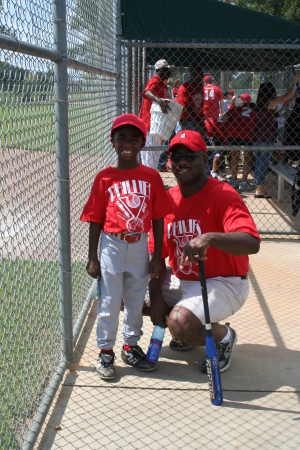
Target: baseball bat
[212, 365]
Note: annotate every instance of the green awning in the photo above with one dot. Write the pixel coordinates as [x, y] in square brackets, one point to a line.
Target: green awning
[211, 22]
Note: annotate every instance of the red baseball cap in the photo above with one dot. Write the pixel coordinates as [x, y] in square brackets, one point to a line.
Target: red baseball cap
[231, 91]
[246, 97]
[190, 139]
[129, 119]
[207, 79]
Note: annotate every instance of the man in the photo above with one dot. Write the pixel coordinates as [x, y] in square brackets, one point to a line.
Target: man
[213, 106]
[155, 91]
[211, 223]
[190, 96]
[238, 128]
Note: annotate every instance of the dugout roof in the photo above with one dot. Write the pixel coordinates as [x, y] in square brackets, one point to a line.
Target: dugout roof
[237, 34]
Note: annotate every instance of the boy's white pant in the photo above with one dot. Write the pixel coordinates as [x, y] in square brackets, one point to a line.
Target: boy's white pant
[124, 274]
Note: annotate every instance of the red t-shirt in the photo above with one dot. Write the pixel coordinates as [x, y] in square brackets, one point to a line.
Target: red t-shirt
[159, 88]
[215, 208]
[175, 92]
[126, 200]
[212, 96]
[192, 96]
[240, 123]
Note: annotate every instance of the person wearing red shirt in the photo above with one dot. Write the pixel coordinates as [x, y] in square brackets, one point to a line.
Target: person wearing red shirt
[177, 84]
[210, 223]
[213, 107]
[124, 201]
[190, 96]
[239, 125]
[156, 90]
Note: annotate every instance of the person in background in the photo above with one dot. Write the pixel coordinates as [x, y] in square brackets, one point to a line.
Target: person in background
[155, 91]
[213, 107]
[292, 133]
[190, 96]
[170, 83]
[238, 127]
[266, 128]
[177, 84]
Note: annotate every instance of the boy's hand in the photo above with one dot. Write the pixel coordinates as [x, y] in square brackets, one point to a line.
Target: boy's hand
[155, 267]
[93, 268]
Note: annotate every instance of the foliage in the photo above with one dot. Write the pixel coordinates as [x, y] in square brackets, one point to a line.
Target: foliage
[286, 9]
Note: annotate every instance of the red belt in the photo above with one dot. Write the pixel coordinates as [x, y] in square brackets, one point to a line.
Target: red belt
[128, 237]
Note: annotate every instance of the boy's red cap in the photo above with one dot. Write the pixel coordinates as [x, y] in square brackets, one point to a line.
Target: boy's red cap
[246, 97]
[129, 119]
[190, 139]
[231, 91]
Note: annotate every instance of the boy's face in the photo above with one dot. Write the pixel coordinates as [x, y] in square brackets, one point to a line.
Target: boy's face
[127, 140]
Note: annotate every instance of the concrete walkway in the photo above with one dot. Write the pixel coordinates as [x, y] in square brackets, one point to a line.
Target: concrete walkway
[170, 407]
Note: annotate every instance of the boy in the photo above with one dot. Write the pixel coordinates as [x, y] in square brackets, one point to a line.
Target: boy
[123, 202]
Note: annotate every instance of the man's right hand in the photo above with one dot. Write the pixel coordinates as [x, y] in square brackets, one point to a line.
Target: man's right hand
[93, 268]
[158, 309]
[164, 106]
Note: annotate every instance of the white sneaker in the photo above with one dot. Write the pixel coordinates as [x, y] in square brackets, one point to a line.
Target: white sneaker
[105, 366]
[217, 176]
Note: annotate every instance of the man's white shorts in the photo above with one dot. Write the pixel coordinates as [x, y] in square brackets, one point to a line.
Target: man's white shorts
[225, 295]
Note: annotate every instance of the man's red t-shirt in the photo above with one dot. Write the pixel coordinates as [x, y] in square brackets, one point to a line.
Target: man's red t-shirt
[192, 96]
[159, 88]
[126, 200]
[215, 208]
[212, 96]
[240, 123]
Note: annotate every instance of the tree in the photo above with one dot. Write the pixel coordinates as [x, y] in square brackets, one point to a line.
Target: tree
[286, 9]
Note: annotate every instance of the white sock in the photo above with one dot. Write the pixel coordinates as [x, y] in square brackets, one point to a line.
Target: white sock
[227, 337]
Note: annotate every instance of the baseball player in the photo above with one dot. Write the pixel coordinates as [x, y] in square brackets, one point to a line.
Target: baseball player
[125, 199]
[239, 125]
[209, 222]
[213, 105]
[156, 90]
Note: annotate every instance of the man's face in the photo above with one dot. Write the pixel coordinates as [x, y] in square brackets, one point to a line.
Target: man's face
[196, 76]
[188, 172]
[244, 102]
[165, 73]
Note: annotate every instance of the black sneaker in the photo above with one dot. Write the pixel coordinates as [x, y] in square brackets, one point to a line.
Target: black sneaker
[224, 350]
[175, 344]
[105, 366]
[137, 358]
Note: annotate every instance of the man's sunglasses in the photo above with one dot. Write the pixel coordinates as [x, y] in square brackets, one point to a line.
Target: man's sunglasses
[188, 157]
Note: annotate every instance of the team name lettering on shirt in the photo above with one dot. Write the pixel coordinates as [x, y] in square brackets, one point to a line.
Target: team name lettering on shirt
[129, 187]
[190, 226]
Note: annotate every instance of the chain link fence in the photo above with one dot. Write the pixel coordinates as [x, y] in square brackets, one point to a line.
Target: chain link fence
[252, 145]
[52, 146]
[30, 284]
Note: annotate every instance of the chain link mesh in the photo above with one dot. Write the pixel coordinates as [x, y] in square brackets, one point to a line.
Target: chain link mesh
[29, 282]
[29, 286]
[263, 175]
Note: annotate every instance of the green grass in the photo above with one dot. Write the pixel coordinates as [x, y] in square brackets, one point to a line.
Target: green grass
[29, 339]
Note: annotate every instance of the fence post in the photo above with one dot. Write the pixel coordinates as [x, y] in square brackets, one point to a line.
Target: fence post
[63, 178]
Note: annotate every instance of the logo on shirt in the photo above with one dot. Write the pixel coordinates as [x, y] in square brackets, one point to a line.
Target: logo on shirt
[181, 232]
[130, 198]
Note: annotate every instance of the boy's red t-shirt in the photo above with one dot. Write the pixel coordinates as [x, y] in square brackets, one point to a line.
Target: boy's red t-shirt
[192, 96]
[240, 123]
[126, 200]
[215, 208]
[212, 96]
